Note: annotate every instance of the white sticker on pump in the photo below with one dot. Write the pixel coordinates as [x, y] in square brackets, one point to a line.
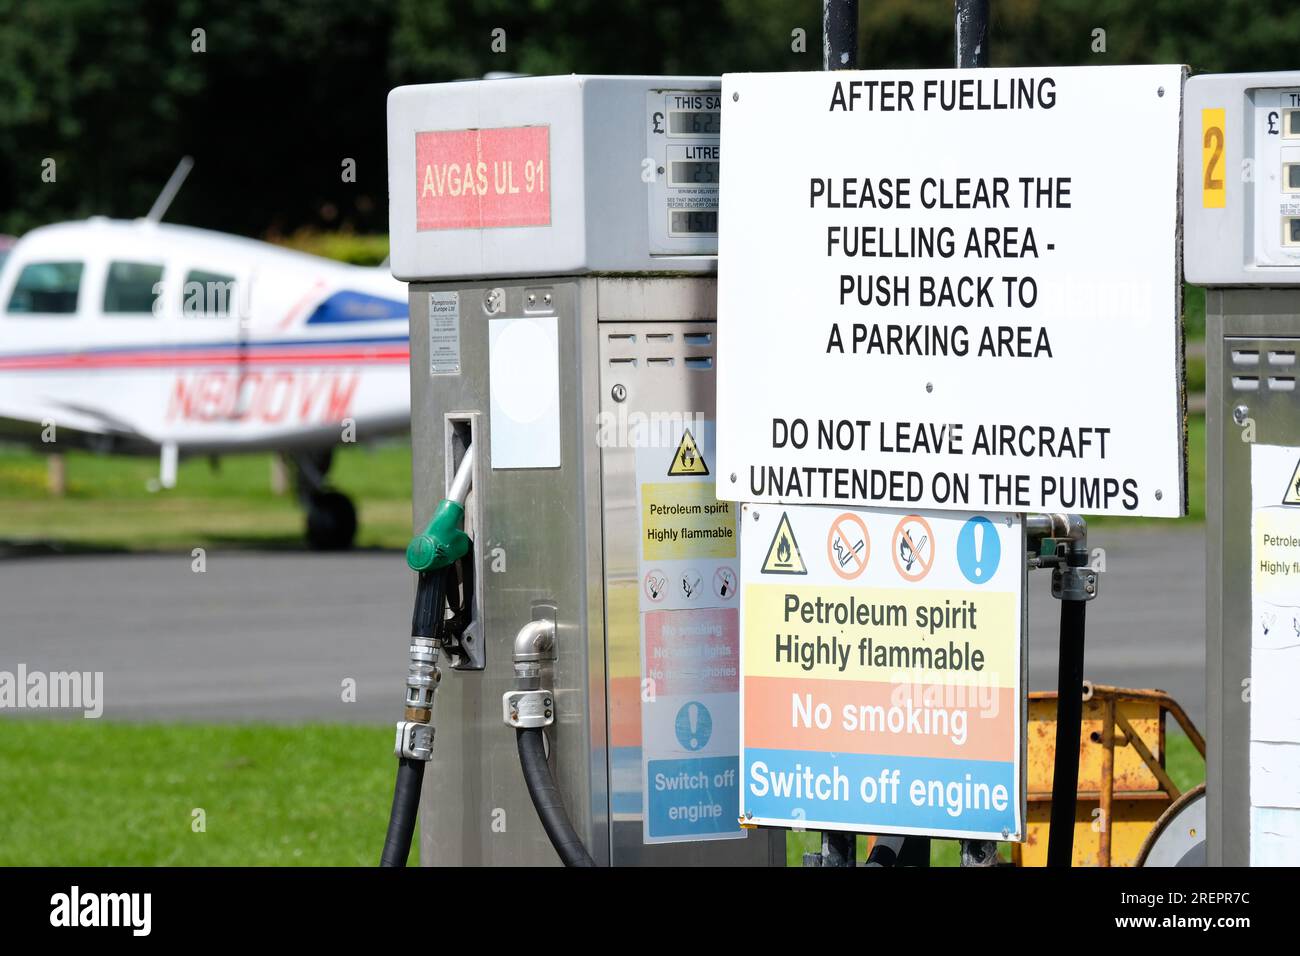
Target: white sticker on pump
[444, 333]
[690, 637]
[1275, 656]
[524, 385]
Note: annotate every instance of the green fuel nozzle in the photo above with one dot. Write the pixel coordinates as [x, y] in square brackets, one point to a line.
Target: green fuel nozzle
[444, 541]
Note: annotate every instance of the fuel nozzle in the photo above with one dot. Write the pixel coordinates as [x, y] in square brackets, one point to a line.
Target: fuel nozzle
[444, 541]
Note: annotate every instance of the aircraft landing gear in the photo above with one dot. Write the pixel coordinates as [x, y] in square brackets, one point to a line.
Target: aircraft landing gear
[331, 521]
[331, 516]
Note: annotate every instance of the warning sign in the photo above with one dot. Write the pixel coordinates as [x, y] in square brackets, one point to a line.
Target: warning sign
[688, 460]
[948, 257]
[690, 639]
[848, 546]
[914, 547]
[884, 705]
[783, 556]
[1274, 659]
[724, 583]
[1292, 495]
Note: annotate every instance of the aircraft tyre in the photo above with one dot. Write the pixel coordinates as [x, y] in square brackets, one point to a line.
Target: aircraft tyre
[331, 521]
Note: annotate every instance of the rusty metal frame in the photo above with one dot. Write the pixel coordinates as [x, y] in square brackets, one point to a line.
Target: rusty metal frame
[1116, 731]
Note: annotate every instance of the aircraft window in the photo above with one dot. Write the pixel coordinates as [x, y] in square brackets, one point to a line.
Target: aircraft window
[131, 287]
[47, 288]
[208, 295]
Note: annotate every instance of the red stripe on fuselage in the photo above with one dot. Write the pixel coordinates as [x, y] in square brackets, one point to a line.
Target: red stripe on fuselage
[224, 356]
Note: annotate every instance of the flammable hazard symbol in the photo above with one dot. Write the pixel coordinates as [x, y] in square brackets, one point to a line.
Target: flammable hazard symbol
[688, 460]
[1292, 496]
[783, 556]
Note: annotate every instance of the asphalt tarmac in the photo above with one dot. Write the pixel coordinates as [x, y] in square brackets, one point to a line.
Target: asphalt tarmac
[278, 637]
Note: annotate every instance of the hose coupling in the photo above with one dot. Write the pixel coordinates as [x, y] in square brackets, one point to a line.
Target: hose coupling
[414, 740]
[1074, 584]
[415, 732]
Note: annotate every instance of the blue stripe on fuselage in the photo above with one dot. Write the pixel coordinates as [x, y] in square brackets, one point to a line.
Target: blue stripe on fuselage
[348, 306]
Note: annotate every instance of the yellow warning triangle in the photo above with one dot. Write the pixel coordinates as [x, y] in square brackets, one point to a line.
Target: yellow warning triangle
[783, 555]
[1292, 496]
[688, 460]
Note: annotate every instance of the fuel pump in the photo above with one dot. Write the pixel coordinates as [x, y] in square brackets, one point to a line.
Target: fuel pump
[559, 235]
[1241, 182]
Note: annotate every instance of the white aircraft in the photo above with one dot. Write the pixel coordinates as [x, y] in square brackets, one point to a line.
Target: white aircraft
[140, 337]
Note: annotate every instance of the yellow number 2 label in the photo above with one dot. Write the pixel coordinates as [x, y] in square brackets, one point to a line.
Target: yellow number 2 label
[1213, 194]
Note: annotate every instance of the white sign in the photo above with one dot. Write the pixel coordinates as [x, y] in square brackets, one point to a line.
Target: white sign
[882, 667]
[953, 290]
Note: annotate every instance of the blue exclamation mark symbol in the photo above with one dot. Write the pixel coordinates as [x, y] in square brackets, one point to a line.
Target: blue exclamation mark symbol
[979, 551]
[694, 726]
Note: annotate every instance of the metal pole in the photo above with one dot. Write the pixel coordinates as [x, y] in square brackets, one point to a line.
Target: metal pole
[971, 18]
[839, 52]
[839, 34]
[971, 35]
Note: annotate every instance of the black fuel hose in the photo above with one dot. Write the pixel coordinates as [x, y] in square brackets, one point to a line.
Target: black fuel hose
[1069, 717]
[430, 602]
[406, 804]
[546, 799]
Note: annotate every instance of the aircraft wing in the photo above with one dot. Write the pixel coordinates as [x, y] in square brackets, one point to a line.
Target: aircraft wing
[75, 424]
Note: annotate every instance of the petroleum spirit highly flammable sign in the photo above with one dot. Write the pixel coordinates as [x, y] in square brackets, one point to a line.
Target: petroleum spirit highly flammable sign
[952, 290]
[881, 665]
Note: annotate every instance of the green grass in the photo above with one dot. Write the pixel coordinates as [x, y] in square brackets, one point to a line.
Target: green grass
[109, 507]
[1194, 313]
[97, 793]
[1196, 467]
[1186, 767]
[108, 504]
[94, 793]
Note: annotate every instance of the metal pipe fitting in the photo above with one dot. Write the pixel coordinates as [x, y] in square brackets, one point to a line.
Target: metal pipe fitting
[534, 646]
[1062, 527]
[422, 677]
[415, 731]
[530, 705]
[535, 641]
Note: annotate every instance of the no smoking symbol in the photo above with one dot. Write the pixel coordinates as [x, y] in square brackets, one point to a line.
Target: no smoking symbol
[724, 583]
[848, 546]
[913, 549]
